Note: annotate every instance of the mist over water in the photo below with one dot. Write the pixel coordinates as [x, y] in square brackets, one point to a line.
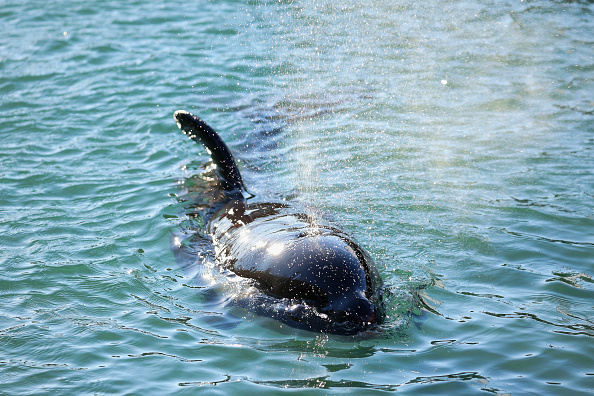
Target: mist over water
[453, 139]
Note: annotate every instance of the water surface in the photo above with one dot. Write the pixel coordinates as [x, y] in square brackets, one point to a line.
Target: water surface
[453, 139]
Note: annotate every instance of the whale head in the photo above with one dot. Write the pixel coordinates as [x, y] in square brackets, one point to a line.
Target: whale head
[334, 276]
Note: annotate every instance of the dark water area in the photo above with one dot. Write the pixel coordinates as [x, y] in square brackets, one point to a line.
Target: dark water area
[453, 139]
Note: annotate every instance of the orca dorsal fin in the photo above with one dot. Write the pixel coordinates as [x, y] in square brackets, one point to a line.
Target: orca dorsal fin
[201, 132]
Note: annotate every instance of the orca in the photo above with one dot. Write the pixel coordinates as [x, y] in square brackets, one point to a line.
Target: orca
[310, 275]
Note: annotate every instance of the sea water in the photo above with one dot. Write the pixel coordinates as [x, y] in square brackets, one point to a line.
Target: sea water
[453, 139]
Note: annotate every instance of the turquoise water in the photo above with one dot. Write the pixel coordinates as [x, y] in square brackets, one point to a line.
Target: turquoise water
[453, 139]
